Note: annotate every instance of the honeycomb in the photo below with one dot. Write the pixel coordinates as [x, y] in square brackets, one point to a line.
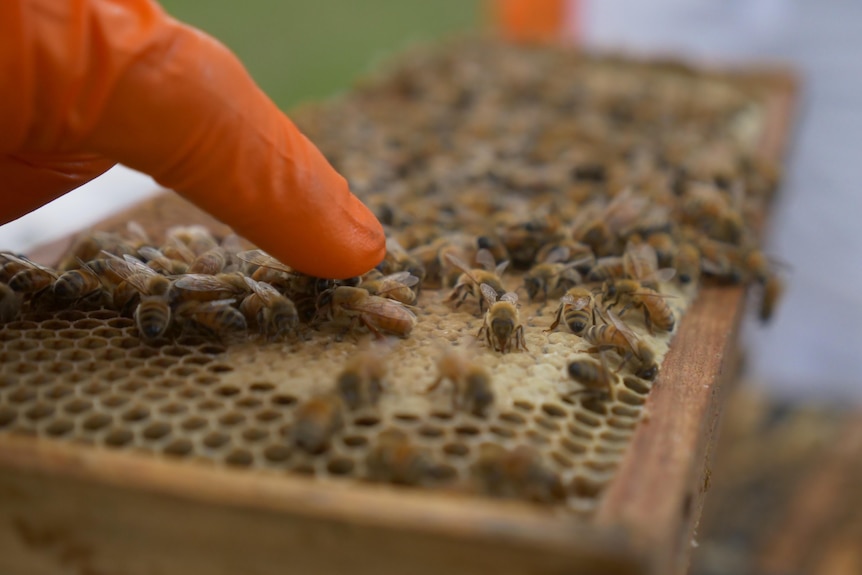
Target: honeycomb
[87, 376]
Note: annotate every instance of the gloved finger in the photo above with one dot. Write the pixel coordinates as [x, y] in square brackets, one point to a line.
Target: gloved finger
[129, 82]
[530, 20]
[28, 181]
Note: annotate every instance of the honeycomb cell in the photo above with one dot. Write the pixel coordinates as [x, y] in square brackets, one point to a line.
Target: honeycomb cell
[261, 387]
[615, 437]
[22, 367]
[170, 383]
[210, 405]
[41, 334]
[303, 469]
[22, 395]
[56, 324]
[96, 421]
[118, 437]
[107, 333]
[215, 439]
[156, 430]
[58, 391]
[407, 418]
[276, 453]
[7, 356]
[573, 446]
[547, 424]
[56, 344]
[442, 415]
[562, 460]
[133, 385]
[283, 400]
[37, 379]
[73, 333]
[538, 437]
[587, 419]
[77, 405]
[637, 385]
[456, 449]
[103, 314]
[195, 393]
[601, 465]
[75, 355]
[231, 419]
[92, 343]
[367, 421]
[154, 395]
[630, 398]
[268, 415]
[523, 405]
[227, 390]
[248, 403]
[212, 349]
[7, 416]
[355, 441]
[148, 372]
[114, 400]
[161, 363]
[206, 380]
[70, 315]
[626, 411]
[579, 431]
[7, 381]
[179, 447]
[513, 418]
[110, 354]
[219, 368]
[136, 413]
[143, 352]
[503, 432]
[340, 466]
[619, 423]
[467, 430]
[22, 325]
[58, 427]
[59, 367]
[124, 342]
[173, 408]
[554, 410]
[197, 360]
[182, 371]
[254, 434]
[175, 351]
[431, 431]
[86, 324]
[121, 322]
[239, 458]
[22, 345]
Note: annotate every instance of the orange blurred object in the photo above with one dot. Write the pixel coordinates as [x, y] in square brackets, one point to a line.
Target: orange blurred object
[88, 83]
[531, 20]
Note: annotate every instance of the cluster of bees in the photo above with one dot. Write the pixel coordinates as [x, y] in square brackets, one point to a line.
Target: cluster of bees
[195, 283]
[589, 184]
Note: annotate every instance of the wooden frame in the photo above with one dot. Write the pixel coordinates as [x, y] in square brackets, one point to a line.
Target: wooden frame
[68, 508]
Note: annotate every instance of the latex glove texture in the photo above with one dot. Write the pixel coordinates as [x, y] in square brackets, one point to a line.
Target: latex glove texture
[88, 83]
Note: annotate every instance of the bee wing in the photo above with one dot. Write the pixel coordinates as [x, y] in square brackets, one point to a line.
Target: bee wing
[485, 259]
[622, 327]
[576, 303]
[558, 254]
[501, 268]
[201, 282]
[662, 275]
[461, 265]
[28, 263]
[205, 306]
[263, 259]
[640, 260]
[510, 297]
[263, 290]
[150, 253]
[138, 233]
[654, 294]
[404, 278]
[489, 293]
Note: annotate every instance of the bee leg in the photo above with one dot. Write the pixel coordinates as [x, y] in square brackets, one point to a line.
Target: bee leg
[436, 383]
[370, 327]
[648, 322]
[625, 360]
[519, 338]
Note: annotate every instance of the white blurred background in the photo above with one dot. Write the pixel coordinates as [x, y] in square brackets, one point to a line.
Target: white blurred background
[813, 347]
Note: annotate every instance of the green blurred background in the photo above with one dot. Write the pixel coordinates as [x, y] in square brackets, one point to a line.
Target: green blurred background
[301, 51]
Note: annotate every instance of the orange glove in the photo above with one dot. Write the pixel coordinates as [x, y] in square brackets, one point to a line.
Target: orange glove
[87, 83]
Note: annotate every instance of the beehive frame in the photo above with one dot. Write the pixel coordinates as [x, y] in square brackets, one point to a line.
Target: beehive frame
[255, 521]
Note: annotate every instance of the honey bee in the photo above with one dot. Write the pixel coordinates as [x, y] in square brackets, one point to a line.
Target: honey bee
[178, 251]
[10, 267]
[657, 313]
[217, 317]
[553, 276]
[576, 310]
[90, 245]
[316, 422]
[153, 314]
[203, 287]
[376, 313]
[197, 238]
[398, 259]
[267, 310]
[619, 337]
[395, 459]
[606, 268]
[360, 383]
[210, 262]
[472, 390]
[714, 212]
[665, 248]
[686, 261]
[596, 378]
[297, 285]
[516, 474]
[577, 251]
[161, 263]
[29, 277]
[470, 280]
[393, 286]
[773, 288]
[502, 323]
[522, 240]
[77, 283]
[10, 303]
[640, 262]
[719, 259]
[493, 244]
